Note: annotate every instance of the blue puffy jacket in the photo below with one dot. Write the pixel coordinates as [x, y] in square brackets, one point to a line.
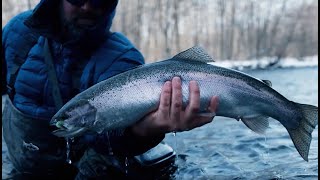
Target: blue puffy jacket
[78, 66]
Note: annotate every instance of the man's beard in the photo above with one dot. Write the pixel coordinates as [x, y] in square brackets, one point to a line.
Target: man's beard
[75, 31]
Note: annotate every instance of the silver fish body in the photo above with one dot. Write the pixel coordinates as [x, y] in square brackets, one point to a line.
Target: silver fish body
[124, 99]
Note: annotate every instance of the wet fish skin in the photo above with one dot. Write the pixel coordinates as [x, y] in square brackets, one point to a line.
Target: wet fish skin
[122, 100]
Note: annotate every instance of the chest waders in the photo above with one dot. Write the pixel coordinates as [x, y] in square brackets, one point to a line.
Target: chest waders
[31, 146]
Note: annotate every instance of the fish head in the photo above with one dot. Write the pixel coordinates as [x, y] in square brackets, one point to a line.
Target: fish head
[73, 117]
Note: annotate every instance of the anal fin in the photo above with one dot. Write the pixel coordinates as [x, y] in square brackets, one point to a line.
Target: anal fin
[258, 124]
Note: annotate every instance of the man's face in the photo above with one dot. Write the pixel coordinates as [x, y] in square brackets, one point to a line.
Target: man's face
[77, 19]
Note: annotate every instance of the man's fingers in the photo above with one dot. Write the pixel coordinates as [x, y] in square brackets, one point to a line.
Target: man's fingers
[194, 99]
[176, 104]
[170, 106]
[214, 102]
[165, 98]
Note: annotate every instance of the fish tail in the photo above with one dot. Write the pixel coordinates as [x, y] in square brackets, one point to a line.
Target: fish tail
[301, 136]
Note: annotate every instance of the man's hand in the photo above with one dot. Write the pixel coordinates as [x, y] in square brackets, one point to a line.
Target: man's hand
[170, 116]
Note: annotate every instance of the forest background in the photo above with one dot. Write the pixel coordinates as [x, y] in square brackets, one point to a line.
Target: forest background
[227, 29]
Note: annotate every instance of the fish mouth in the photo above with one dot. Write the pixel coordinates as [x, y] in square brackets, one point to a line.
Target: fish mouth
[57, 120]
[57, 123]
[53, 121]
[81, 115]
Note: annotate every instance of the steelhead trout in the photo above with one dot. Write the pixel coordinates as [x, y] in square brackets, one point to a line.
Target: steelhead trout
[124, 99]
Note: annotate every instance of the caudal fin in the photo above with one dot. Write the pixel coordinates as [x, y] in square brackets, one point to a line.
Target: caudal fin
[301, 136]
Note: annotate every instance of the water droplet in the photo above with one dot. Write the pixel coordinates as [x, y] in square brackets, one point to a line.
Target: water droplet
[174, 133]
[175, 140]
[68, 146]
[265, 155]
[126, 164]
[109, 145]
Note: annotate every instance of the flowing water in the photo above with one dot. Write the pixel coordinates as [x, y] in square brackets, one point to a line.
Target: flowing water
[227, 149]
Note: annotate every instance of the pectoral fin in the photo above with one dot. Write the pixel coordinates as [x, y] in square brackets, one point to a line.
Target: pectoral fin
[258, 124]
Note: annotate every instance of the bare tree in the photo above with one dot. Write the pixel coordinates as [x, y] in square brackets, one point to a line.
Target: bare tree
[176, 5]
[222, 8]
[166, 26]
[232, 30]
[29, 4]
[137, 23]
[123, 21]
[274, 28]
[289, 36]
[263, 34]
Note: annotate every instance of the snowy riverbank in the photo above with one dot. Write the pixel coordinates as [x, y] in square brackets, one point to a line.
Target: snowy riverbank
[269, 62]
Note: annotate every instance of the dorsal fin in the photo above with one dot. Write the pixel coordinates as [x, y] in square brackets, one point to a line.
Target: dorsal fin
[267, 82]
[195, 53]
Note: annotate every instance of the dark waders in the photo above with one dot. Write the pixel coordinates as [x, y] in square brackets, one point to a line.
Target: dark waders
[32, 149]
[36, 153]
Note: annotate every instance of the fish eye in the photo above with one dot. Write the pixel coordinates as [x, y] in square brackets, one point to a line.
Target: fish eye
[63, 117]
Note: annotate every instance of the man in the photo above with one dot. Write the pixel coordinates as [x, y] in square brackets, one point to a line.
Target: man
[74, 37]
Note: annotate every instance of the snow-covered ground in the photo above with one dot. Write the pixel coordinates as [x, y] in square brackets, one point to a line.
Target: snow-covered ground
[269, 62]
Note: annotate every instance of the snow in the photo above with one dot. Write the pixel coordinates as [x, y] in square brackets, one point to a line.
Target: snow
[268, 62]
